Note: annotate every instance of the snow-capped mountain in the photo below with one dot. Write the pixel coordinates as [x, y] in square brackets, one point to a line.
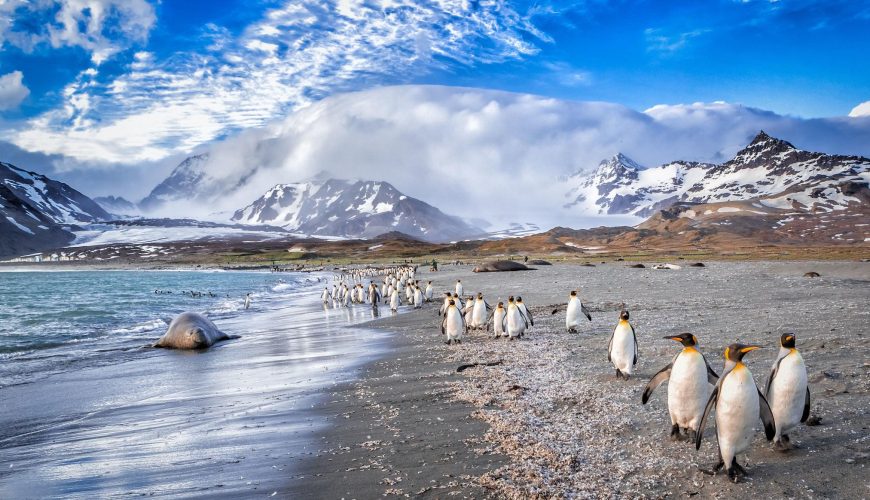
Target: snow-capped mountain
[768, 169]
[357, 209]
[117, 205]
[185, 181]
[36, 212]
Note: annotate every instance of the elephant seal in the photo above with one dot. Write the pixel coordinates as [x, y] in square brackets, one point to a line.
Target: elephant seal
[496, 266]
[812, 274]
[191, 331]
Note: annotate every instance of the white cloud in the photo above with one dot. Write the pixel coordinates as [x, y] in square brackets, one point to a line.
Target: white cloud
[862, 109]
[294, 55]
[490, 154]
[101, 27]
[12, 90]
[666, 44]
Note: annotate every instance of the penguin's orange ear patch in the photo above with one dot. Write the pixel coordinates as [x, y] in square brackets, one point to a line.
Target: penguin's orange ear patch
[727, 353]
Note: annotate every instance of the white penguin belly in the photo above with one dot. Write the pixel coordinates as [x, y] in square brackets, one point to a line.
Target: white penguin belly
[788, 393]
[737, 411]
[515, 324]
[572, 318]
[478, 315]
[453, 325]
[498, 319]
[688, 390]
[622, 349]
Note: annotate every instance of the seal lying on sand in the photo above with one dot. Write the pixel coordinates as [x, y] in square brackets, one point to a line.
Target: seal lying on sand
[191, 331]
[496, 266]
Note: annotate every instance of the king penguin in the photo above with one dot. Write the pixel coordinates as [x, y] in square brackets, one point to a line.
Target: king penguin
[516, 322]
[738, 404]
[787, 391]
[453, 324]
[622, 347]
[690, 378]
[576, 310]
[499, 326]
[458, 288]
[479, 312]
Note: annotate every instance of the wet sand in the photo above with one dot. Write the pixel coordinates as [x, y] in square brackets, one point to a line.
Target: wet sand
[551, 420]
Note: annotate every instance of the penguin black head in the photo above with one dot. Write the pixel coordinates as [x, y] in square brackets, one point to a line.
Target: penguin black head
[479, 295]
[573, 293]
[511, 298]
[687, 339]
[623, 315]
[735, 352]
[452, 302]
[519, 299]
[787, 340]
[501, 305]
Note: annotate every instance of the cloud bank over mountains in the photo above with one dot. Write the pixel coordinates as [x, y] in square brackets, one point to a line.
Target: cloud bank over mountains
[491, 154]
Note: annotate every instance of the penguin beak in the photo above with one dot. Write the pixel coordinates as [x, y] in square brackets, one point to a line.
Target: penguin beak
[678, 339]
[749, 348]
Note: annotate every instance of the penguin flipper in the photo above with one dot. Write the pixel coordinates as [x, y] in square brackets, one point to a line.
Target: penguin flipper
[773, 372]
[531, 319]
[634, 336]
[585, 312]
[655, 381]
[712, 377]
[806, 413]
[714, 396]
[610, 345]
[766, 416]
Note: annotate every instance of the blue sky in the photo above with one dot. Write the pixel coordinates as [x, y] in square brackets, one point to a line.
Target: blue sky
[139, 81]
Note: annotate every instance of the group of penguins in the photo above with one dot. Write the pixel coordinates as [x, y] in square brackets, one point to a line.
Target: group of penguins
[348, 289]
[694, 388]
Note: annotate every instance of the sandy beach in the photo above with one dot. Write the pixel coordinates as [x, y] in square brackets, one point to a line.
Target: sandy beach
[386, 413]
[551, 420]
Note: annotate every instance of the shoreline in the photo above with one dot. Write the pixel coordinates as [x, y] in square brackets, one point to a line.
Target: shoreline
[552, 421]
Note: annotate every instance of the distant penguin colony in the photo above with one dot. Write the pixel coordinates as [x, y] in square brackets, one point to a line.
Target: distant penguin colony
[695, 392]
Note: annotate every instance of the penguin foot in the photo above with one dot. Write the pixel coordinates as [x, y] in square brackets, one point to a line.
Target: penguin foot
[675, 433]
[692, 435]
[736, 472]
[712, 471]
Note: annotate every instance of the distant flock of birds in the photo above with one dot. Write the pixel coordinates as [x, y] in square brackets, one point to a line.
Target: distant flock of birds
[694, 388]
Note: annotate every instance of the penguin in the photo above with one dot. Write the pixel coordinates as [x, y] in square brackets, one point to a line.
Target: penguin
[525, 311]
[479, 312]
[458, 300]
[248, 300]
[458, 288]
[576, 310]
[418, 297]
[374, 294]
[323, 297]
[429, 291]
[787, 391]
[516, 322]
[690, 378]
[739, 404]
[394, 301]
[453, 324]
[622, 347]
[498, 319]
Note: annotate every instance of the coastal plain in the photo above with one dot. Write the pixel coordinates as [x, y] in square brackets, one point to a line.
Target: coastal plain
[551, 421]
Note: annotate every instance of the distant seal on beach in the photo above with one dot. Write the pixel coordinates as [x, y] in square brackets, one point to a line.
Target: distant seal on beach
[191, 331]
[496, 266]
[812, 274]
[539, 262]
[637, 266]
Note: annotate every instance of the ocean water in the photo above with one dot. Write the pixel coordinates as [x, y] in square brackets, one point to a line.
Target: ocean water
[57, 321]
[89, 409]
